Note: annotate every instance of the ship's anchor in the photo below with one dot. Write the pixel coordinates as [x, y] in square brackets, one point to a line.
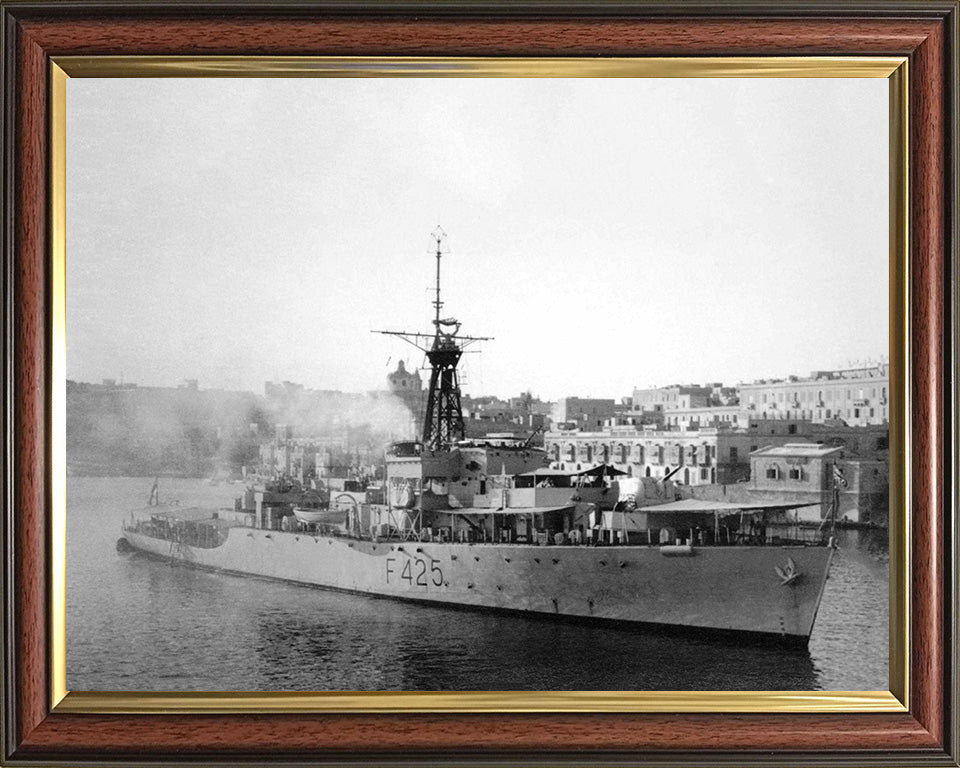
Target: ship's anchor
[789, 573]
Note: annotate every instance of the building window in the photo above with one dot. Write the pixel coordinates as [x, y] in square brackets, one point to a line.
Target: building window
[676, 454]
[733, 454]
[773, 473]
[792, 429]
[796, 473]
[883, 443]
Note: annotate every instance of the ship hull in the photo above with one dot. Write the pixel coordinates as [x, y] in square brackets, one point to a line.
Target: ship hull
[720, 589]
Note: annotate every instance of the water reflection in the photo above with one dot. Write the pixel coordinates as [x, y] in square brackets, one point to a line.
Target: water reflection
[335, 641]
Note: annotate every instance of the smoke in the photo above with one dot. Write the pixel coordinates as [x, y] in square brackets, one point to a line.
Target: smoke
[186, 431]
[126, 430]
[384, 417]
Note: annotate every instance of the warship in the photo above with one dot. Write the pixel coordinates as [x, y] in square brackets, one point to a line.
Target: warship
[487, 524]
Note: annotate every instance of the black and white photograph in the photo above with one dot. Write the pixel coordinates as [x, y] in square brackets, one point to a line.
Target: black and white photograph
[477, 384]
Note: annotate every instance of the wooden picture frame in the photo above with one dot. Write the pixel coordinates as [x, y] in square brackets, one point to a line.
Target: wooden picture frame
[36, 730]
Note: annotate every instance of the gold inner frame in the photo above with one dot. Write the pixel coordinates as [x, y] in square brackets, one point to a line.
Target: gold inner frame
[894, 69]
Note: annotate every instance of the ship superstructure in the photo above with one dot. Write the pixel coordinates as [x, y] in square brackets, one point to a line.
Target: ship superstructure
[486, 523]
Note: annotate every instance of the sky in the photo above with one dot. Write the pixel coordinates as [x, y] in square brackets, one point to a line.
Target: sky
[608, 233]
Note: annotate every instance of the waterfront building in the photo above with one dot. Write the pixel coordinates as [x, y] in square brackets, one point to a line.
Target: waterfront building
[705, 456]
[798, 471]
[794, 468]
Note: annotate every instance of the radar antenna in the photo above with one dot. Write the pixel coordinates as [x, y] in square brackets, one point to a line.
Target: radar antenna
[443, 421]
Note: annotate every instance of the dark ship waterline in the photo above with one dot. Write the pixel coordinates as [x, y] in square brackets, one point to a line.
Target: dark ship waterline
[486, 524]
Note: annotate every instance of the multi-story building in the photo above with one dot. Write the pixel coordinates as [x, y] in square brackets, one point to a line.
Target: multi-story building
[703, 457]
[584, 412]
[519, 415]
[710, 455]
[794, 468]
[697, 417]
[856, 396]
[670, 397]
[688, 406]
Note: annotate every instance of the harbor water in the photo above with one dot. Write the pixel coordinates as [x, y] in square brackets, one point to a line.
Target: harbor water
[140, 623]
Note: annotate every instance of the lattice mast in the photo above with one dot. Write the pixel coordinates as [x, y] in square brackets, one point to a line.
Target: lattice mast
[443, 420]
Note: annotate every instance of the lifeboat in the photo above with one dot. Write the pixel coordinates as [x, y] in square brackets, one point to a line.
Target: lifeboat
[314, 515]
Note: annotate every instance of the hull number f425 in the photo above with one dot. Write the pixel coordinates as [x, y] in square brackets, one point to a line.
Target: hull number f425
[414, 572]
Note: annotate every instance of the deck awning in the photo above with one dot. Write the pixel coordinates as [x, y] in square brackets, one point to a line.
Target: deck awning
[507, 510]
[605, 470]
[702, 506]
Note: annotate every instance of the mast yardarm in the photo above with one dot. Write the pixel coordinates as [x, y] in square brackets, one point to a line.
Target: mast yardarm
[443, 419]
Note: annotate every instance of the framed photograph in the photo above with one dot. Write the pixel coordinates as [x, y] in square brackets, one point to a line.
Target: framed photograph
[448, 384]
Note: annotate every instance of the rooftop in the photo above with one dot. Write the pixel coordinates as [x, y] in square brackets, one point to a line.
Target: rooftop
[810, 450]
